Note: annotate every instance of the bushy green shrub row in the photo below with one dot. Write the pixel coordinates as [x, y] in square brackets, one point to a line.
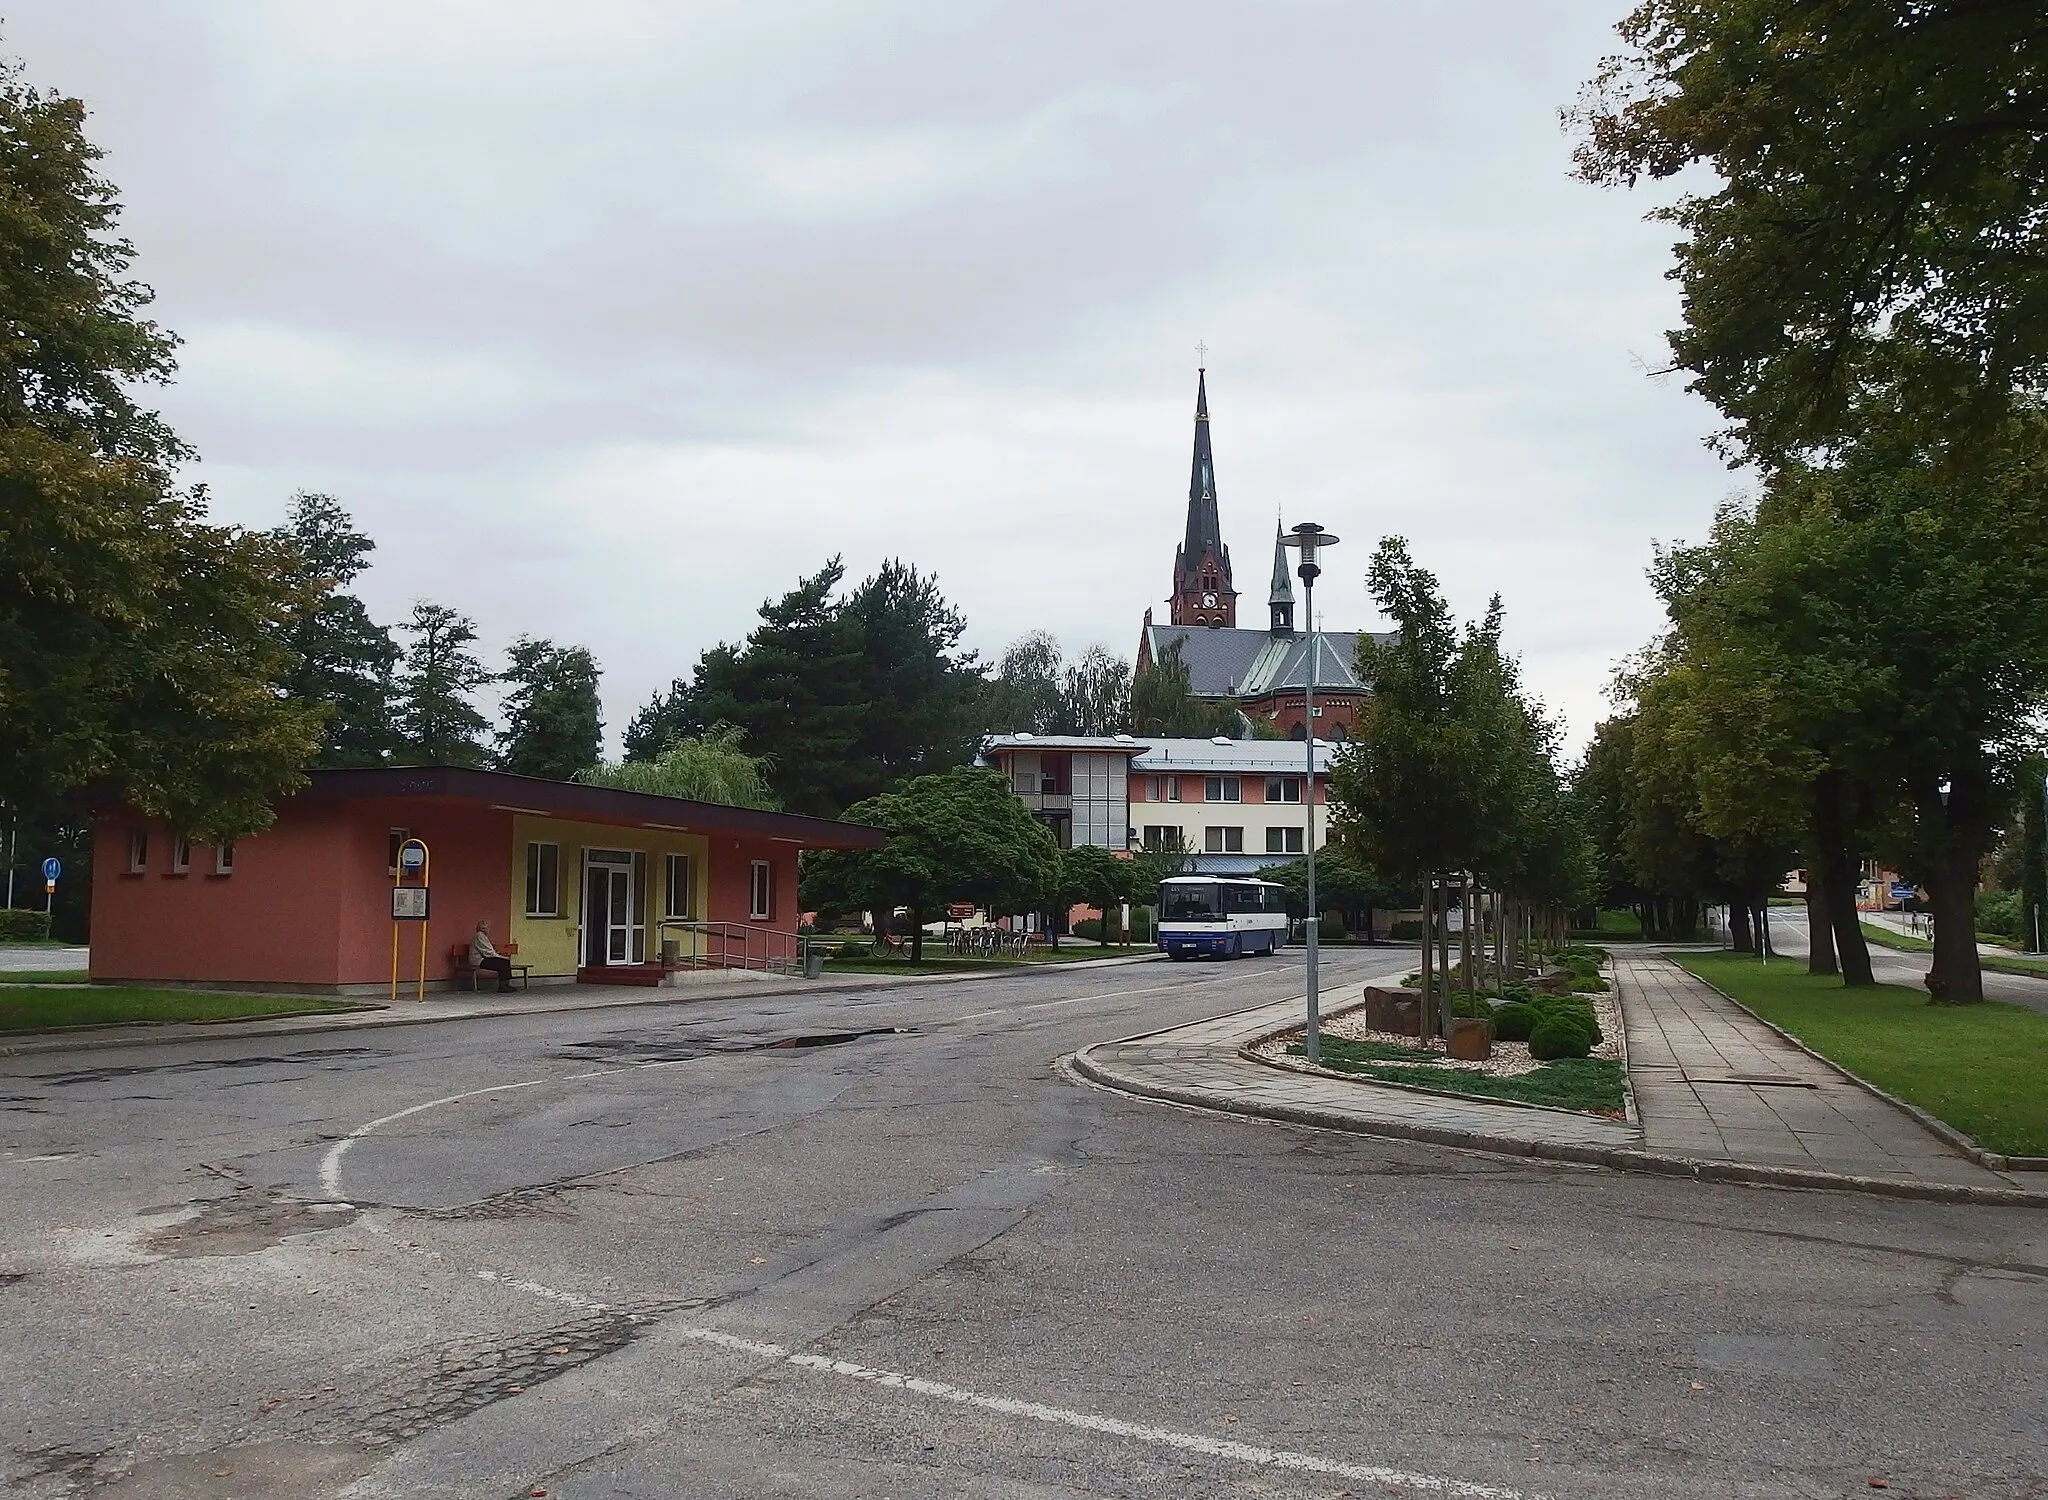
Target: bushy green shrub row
[18, 924]
[2002, 914]
[1141, 927]
[1554, 1026]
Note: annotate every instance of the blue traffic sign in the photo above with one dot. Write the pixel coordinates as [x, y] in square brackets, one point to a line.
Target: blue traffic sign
[52, 868]
[1901, 891]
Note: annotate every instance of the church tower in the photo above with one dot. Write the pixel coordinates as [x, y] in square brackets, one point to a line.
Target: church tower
[1281, 601]
[1202, 592]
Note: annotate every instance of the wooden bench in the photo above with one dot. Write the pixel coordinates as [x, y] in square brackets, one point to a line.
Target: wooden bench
[458, 962]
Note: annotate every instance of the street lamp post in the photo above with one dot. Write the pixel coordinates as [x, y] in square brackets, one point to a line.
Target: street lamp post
[1310, 539]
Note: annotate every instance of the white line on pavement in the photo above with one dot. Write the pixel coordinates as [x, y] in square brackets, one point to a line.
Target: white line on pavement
[1190, 1442]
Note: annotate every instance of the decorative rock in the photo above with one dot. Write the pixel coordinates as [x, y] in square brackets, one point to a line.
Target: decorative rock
[1395, 1011]
[1471, 1039]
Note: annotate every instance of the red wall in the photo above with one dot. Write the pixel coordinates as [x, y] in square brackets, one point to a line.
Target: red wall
[275, 920]
[309, 901]
[731, 863]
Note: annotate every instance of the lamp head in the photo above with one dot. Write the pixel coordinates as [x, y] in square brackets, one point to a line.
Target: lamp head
[1309, 539]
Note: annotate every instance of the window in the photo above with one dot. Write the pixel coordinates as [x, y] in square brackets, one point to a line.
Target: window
[761, 891]
[1172, 788]
[138, 850]
[675, 887]
[396, 837]
[1283, 841]
[1161, 837]
[1052, 772]
[181, 855]
[1224, 789]
[1223, 840]
[1283, 788]
[224, 857]
[543, 880]
[1339, 734]
[1297, 733]
[1188, 903]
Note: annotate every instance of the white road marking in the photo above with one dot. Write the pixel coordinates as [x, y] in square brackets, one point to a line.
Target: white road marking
[1059, 1416]
[330, 1164]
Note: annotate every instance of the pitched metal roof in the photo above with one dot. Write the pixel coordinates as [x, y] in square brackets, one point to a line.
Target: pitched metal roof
[1229, 662]
[1024, 740]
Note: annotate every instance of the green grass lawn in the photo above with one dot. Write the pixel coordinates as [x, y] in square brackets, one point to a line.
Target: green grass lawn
[1982, 1068]
[30, 1007]
[1613, 924]
[36, 943]
[1996, 963]
[44, 976]
[1584, 1083]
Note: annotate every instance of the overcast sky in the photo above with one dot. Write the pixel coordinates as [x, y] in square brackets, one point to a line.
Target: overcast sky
[608, 320]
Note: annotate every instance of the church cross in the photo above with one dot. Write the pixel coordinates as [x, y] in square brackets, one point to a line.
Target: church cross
[1202, 353]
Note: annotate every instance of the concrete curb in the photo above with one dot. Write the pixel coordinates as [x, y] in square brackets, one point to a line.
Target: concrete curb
[163, 1034]
[1622, 1159]
[1991, 1161]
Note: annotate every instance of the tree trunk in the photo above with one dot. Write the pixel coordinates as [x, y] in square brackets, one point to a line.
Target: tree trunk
[917, 934]
[1738, 927]
[1428, 963]
[1956, 977]
[1837, 871]
[1820, 926]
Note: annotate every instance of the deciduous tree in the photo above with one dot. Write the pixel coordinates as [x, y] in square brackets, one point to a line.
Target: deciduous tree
[344, 659]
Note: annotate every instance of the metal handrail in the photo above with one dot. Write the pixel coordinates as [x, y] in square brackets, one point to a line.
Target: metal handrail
[731, 945]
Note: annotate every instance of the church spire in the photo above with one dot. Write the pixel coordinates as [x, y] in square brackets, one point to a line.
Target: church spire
[1202, 591]
[1281, 601]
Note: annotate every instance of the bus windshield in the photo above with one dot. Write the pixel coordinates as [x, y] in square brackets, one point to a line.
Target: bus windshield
[1188, 903]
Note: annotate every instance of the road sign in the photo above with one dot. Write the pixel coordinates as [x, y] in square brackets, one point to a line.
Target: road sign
[408, 903]
[52, 868]
[1901, 891]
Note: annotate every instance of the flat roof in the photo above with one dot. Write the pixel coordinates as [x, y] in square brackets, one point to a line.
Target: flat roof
[599, 804]
[1025, 740]
[1271, 757]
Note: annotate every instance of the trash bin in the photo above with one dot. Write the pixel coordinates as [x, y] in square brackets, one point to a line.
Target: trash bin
[671, 952]
[814, 962]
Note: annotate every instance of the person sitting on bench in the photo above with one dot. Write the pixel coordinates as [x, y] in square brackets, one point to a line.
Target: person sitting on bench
[482, 955]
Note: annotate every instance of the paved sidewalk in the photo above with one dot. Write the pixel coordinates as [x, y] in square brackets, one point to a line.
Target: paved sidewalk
[1713, 1082]
[26, 959]
[1688, 1048]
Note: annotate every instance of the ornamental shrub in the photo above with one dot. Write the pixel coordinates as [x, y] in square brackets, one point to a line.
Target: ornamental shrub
[1466, 1004]
[1580, 1012]
[1588, 984]
[1512, 1022]
[18, 924]
[856, 948]
[1514, 992]
[1332, 929]
[1559, 1035]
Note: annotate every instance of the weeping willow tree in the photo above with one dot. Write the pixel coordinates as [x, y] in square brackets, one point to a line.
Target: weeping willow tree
[711, 767]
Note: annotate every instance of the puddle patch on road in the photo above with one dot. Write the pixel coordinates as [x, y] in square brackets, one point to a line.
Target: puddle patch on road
[257, 1471]
[244, 1223]
[207, 1065]
[656, 1046]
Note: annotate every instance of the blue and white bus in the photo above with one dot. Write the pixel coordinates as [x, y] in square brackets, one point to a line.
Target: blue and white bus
[1221, 915]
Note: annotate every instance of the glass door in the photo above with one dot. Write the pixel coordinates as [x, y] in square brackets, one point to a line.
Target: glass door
[609, 908]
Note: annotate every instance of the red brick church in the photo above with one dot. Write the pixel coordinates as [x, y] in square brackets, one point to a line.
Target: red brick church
[1262, 670]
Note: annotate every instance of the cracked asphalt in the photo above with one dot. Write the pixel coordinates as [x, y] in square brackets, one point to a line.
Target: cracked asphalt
[653, 1253]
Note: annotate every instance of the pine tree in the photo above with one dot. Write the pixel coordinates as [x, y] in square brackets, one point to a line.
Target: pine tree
[345, 659]
[437, 723]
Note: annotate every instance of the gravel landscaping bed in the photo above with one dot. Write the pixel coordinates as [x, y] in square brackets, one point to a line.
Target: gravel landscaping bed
[1509, 1060]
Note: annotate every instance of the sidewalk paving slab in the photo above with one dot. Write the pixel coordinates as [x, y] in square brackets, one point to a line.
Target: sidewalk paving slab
[1687, 1046]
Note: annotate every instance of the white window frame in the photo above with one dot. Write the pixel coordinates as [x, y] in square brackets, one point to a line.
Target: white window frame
[181, 854]
[671, 888]
[540, 903]
[1284, 840]
[1172, 788]
[1223, 838]
[760, 891]
[138, 851]
[224, 857]
[1283, 789]
[1224, 788]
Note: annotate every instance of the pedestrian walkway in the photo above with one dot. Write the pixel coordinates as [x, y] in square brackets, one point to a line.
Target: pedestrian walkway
[27, 959]
[1718, 1095]
[1713, 1082]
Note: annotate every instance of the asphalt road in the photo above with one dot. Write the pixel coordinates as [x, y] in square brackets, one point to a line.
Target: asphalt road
[645, 1253]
